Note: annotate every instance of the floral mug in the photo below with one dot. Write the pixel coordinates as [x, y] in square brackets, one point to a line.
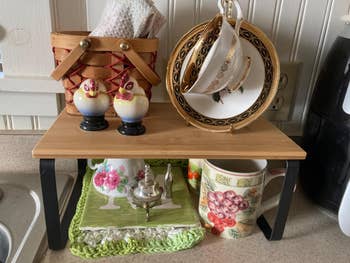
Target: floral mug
[231, 193]
[114, 177]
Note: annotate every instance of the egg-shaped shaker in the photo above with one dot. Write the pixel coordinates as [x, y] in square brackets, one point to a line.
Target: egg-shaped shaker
[131, 104]
[92, 101]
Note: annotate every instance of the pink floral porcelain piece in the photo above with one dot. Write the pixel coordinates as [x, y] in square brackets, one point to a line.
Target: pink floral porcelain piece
[114, 178]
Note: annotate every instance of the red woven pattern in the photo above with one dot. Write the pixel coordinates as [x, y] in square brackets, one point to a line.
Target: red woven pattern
[120, 68]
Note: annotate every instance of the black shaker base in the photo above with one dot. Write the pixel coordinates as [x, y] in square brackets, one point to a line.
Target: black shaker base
[131, 128]
[93, 123]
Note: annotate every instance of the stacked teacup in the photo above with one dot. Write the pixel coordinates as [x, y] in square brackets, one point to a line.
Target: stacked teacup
[217, 60]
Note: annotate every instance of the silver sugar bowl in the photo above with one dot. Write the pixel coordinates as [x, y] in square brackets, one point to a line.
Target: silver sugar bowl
[148, 193]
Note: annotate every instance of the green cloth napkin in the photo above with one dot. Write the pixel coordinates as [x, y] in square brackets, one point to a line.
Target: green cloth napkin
[126, 216]
[95, 232]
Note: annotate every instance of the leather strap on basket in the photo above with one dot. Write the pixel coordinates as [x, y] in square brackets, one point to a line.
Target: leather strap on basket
[124, 46]
[70, 60]
[151, 76]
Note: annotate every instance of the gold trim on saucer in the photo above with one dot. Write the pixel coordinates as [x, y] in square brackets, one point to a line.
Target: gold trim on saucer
[246, 71]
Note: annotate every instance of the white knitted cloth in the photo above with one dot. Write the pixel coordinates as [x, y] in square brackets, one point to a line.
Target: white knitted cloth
[129, 19]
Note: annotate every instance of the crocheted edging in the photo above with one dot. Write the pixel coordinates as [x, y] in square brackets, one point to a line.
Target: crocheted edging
[184, 240]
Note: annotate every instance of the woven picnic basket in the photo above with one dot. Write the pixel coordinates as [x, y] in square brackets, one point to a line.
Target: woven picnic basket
[111, 60]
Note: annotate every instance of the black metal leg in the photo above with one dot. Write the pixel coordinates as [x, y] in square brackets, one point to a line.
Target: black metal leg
[74, 198]
[49, 191]
[57, 232]
[290, 179]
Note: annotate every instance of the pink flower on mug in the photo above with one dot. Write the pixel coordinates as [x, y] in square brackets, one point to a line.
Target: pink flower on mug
[226, 210]
[230, 194]
[224, 207]
[233, 208]
[220, 222]
[231, 215]
[243, 205]
[211, 205]
[219, 196]
[227, 202]
[211, 196]
[237, 199]
[99, 178]
[218, 210]
[217, 203]
[221, 215]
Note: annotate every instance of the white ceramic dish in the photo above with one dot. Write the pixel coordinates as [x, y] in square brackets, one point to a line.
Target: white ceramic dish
[238, 101]
[226, 111]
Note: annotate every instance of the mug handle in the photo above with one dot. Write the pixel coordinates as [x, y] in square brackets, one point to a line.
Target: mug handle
[273, 201]
[91, 166]
[224, 13]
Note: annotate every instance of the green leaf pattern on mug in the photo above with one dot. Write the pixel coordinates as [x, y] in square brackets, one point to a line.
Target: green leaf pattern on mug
[209, 182]
[242, 182]
[248, 212]
[235, 234]
[221, 179]
[195, 168]
[253, 197]
[205, 170]
[246, 182]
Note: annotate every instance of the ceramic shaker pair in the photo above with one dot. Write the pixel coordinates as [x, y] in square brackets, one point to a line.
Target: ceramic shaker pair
[130, 103]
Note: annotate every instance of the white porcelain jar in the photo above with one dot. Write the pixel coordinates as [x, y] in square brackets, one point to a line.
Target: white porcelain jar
[114, 178]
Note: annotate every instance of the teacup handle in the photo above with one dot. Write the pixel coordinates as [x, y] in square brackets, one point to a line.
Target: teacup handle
[91, 166]
[273, 201]
[239, 16]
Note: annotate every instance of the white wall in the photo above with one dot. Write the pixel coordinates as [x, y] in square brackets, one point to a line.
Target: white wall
[302, 30]
[28, 97]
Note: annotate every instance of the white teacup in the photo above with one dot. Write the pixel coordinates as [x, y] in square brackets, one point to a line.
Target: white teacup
[224, 66]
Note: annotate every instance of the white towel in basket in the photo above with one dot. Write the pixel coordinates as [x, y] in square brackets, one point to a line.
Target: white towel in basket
[129, 19]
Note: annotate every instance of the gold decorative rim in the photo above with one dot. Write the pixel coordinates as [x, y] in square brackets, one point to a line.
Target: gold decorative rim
[272, 74]
[246, 71]
[200, 51]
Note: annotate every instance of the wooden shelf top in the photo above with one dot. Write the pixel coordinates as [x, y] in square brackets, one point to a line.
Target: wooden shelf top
[167, 136]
